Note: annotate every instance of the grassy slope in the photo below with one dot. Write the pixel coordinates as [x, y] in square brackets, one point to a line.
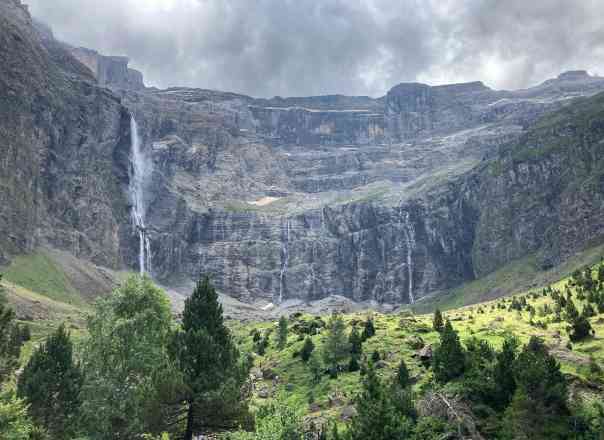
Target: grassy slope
[516, 277]
[491, 324]
[38, 272]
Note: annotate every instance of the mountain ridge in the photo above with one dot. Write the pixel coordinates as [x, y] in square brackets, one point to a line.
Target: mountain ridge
[280, 199]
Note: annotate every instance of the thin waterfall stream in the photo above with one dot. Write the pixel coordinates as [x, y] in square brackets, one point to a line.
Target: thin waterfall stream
[139, 170]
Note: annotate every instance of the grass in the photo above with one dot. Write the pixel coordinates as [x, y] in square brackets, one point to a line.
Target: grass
[515, 277]
[38, 273]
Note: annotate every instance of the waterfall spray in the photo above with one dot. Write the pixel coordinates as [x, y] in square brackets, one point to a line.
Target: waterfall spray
[410, 243]
[139, 169]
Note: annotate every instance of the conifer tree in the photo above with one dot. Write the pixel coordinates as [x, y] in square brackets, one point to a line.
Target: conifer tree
[503, 373]
[307, 349]
[448, 359]
[51, 383]
[437, 322]
[336, 346]
[538, 409]
[282, 334]
[377, 418]
[356, 343]
[353, 365]
[315, 367]
[209, 361]
[368, 330]
[402, 375]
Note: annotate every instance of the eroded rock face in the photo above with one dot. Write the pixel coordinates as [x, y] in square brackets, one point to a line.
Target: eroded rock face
[282, 199]
[298, 198]
[109, 71]
[63, 149]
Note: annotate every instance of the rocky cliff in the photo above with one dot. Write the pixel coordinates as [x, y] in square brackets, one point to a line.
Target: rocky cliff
[385, 199]
[63, 149]
[375, 199]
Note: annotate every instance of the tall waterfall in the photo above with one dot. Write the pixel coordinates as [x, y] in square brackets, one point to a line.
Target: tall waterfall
[139, 170]
[410, 243]
[284, 259]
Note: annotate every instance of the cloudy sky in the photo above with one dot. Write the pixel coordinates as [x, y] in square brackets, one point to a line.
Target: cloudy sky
[309, 47]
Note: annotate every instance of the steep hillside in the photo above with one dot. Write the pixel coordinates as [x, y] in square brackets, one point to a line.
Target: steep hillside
[281, 372]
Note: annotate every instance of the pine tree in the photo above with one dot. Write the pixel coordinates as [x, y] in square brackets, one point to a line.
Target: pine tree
[368, 330]
[307, 349]
[402, 375]
[538, 409]
[503, 373]
[437, 322]
[580, 328]
[336, 346]
[378, 418]
[209, 362]
[353, 365]
[448, 359]
[356, 343]
[315, 367]
[51, 384]
[282, 334]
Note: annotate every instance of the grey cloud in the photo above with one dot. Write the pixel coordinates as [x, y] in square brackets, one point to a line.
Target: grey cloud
[307, 47]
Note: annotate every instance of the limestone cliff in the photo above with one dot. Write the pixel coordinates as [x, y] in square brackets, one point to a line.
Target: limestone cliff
[63, 149]
[385, 199]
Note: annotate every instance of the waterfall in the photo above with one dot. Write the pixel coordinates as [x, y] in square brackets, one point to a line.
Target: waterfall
[139, 171]
[284, 258]
[410, 244]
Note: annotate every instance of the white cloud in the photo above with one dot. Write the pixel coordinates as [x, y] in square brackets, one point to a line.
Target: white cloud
[303, 47]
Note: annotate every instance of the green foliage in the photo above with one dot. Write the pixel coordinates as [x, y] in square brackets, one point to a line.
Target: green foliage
[336, 346]
[503, 374]
[307, 349]
[275, 421]
[51, 384]
[448, 359]
[315, 367]
[282, 334]
[209, 361]
[369, 329]
[402, 375]
[15, 423]
[12, 338]
[378, 417]
[356, 342]
[438, 323]
[430, 428]
[538, 409]
[353, 364]
[126, 363]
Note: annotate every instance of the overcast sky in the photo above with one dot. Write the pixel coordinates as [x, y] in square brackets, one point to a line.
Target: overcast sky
[309, 47]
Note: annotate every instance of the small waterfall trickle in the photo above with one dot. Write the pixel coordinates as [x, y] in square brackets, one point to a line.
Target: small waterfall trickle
[410, 244]
[139, 170]
[284, 258]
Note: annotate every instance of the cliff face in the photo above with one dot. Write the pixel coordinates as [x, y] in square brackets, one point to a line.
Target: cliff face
[299, 198]
[63, 149]
[385, 199]
[109, 71]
